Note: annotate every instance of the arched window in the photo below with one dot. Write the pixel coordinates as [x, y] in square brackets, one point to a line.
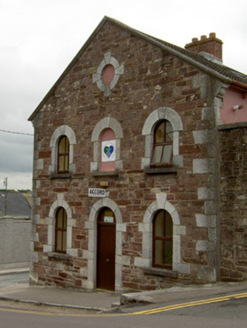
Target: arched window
[106, 138]
[161, 130]
[63, 155]
[108, 151]
[162, 240]
[162, 144]
[61, 231]
[62, 152]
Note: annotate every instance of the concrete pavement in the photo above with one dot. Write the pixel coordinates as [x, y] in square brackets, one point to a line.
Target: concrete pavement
[104, 301]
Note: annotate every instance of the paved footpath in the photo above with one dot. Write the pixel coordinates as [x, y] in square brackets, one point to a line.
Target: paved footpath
[104, 301]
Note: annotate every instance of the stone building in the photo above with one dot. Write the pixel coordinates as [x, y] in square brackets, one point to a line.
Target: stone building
[139, 165]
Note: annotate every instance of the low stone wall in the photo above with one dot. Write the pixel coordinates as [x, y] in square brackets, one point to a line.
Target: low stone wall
[14, 242]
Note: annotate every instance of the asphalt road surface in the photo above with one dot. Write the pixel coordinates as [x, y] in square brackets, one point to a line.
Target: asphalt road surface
[223, 311]
[26, 320]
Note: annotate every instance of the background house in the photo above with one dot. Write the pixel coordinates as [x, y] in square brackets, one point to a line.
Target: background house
[15, 230]
[134, 166]
[17, 204]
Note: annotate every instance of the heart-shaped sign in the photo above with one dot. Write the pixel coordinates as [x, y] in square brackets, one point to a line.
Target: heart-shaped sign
[108, 150]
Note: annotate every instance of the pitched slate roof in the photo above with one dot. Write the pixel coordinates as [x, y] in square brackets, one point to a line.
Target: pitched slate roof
[221, 69]
[17, 205]
[223, 73]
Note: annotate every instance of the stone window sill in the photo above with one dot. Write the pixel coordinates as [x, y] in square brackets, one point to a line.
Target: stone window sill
[160, 170]
[60, 175]
[161, 272]
[105, 174]
[59, 256]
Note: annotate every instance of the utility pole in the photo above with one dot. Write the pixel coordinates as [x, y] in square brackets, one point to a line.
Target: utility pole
[6, 187]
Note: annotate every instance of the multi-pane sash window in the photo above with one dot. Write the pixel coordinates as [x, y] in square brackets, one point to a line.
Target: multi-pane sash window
[162, 144]
[162, 240]
[61, 231]
[63, 155]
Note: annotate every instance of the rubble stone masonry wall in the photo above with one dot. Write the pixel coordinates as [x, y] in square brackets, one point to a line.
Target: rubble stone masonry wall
[151, 80]
[233, 221]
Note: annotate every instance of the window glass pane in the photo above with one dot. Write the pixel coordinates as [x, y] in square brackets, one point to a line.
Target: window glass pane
[63, 155]
[167, 154]
[64, 240]
[66, 163]
[157, 154]
[168, 225]
[59, 222]
[67, 145]
[61, 163]
[168, 252]
[60, 219]
[61, 230]
[169, 132]
[159, 224]
[163, 239]
[108, 213]
[62, 145]
[59, 240]
[65, 221]
[160, 132]
[158, 252]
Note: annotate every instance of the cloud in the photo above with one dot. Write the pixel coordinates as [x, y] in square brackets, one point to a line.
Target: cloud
[16, 180]
[15, 153]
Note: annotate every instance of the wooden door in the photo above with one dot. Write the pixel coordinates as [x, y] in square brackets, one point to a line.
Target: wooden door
[106, 241]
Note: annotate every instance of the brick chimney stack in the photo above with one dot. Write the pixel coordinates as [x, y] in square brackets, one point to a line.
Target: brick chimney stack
[210, 45]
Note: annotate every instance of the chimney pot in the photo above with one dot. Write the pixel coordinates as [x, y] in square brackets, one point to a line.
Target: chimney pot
[203, 37]
[212, 35]
[194, 40]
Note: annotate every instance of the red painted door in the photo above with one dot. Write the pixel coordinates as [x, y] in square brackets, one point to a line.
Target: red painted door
[106, 245]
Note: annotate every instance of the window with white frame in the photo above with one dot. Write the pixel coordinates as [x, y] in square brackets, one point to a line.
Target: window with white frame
[60, 224]
[162, 144]
[61, 230]
[161, 130]
[162, 240]
[62, 152]
[63, 155]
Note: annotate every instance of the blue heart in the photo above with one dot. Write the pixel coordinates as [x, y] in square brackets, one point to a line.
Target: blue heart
[108, 151]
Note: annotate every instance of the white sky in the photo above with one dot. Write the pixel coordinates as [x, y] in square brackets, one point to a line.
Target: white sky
[38, 39]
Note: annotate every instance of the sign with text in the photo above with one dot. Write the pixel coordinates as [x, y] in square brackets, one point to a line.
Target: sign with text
[96, 192]
[109, 219]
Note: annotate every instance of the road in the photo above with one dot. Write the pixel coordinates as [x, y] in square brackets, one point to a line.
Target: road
[224, 311]
[171, 320]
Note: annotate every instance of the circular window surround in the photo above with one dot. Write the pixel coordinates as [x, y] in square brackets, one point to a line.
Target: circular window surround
[106, 85]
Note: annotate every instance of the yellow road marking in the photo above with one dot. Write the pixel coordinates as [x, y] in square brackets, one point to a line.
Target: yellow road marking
[146, 312]
[195, 303]
[64, 314]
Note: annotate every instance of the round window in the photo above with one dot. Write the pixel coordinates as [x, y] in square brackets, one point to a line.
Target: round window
[108, 74]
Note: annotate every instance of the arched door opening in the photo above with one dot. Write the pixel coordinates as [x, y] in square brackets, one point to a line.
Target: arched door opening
[106, 249]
